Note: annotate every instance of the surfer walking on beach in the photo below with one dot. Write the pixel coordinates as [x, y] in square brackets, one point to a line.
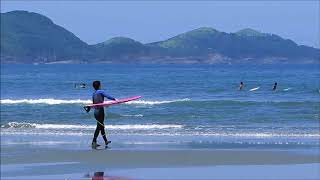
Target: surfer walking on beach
[98, 97]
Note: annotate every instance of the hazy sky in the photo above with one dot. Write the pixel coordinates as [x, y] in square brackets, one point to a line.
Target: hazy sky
[97, 21]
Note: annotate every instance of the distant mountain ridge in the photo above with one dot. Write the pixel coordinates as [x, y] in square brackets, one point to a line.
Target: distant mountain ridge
[28, 37]
[34, 36]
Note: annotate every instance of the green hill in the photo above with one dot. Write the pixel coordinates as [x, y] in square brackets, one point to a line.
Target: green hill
[250, 32]
[28, 37]
[33, 36]
[120, 47]
[246, 43]
[193, 43]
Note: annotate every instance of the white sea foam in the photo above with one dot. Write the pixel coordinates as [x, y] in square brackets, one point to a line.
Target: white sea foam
[157, 102]
[287, 89]
[51, 101]
[71, 126]
[134, 115]
[44, 101]
[230, 136]
[262, 135]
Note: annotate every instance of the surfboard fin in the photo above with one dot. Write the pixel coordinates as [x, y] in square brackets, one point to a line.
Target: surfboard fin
[86, 108]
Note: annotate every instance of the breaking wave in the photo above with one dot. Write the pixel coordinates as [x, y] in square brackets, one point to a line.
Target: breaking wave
[79, 101]
[71, 126]
[157, 102]
[44, 101]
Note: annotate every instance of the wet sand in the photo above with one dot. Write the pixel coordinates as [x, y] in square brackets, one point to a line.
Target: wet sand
[160, 158]
[31, 162]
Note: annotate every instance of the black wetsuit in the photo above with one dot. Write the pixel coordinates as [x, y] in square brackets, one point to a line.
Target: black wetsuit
[274, 87]
[98, 97]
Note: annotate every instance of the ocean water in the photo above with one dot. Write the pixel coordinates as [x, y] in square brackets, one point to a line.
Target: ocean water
[183, 106]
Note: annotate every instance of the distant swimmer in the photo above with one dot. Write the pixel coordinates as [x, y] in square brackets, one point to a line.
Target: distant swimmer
[275, 86]
[241, 86]
[80, 85]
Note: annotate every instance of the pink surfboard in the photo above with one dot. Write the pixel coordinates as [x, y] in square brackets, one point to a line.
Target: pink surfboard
[109, 103]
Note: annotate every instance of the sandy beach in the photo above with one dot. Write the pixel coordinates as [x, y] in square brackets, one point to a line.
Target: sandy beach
[57, 163]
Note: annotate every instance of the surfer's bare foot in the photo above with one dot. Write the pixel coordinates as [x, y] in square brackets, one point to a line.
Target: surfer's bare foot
[108, 142]
[94, 145]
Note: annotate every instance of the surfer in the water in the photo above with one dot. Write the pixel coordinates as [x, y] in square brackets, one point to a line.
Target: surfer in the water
[241, 86]
[275, 86]
[98, 97]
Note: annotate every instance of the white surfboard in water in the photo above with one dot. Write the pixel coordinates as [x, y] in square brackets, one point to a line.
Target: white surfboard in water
[254, 89]
[287, 89]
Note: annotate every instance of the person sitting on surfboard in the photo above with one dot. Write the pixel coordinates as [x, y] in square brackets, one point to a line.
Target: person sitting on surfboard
[98, 97]
[241, 86]
[275, 86]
